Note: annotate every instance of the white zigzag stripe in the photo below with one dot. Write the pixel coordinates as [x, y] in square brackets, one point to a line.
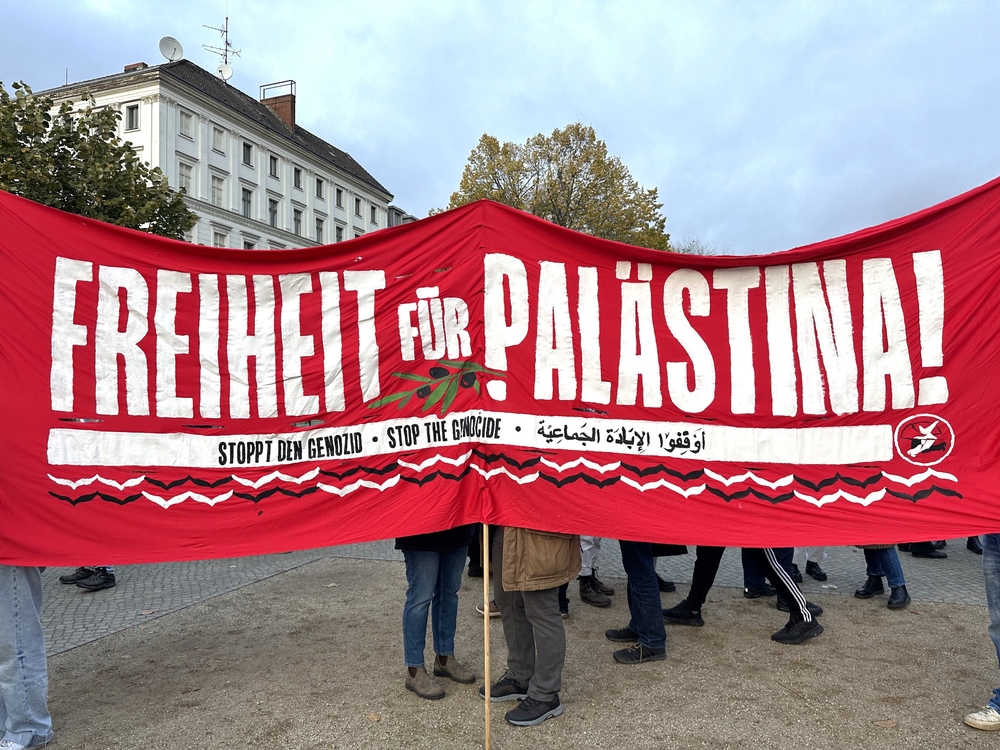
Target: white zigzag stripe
[917, 478]
[430, 461]
[819, 502]
[97, 478]
[526, 479]
[341, 491]
[696, 490]
[163, 503]
[277, 475]
[751, 476]
[603, 468]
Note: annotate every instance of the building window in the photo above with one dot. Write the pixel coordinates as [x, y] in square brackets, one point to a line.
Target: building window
[319, 230]
[249, 245]
[340, 234]
[187, 124]
[132, 117]
[273, 168]
[357, 207]
[248, 154]
[220, 239]
[374, 214]
[184, 172]
[218, 190]
[297, 178]
[319, 188]
[272, 212]
[358, 233]
[340, 198]
[297, 222]
[219, 140]
[247, 203]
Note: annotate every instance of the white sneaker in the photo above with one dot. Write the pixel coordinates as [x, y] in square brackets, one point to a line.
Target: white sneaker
[988, 718]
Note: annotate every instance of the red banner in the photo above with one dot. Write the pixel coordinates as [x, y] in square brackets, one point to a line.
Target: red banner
[166, 401]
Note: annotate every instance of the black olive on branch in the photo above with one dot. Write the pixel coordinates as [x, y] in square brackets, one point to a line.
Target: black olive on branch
[438, 372]
[424, 391]
[468, 379]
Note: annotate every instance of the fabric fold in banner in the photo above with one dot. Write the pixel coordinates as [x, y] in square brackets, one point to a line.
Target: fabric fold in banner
[168, 401]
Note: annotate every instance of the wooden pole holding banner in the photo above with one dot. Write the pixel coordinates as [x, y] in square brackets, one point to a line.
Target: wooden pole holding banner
[486, 626]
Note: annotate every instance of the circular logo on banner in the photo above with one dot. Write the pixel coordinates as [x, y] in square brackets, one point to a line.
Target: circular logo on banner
[924, 439]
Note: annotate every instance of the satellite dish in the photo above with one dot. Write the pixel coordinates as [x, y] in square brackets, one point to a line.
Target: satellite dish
[225, 72]
[171, 49]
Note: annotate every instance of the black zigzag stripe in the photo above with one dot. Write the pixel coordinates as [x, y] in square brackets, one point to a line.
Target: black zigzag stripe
[750, 491]
[275, 490]
[367, 469]
[194, 480]
[838, 477]
[585, 477]
[421, 481]
[921, 494]
[494, 457]
[92, 495]
[661, 469]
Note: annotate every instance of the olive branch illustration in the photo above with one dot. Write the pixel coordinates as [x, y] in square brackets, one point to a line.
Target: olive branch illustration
[446, 378]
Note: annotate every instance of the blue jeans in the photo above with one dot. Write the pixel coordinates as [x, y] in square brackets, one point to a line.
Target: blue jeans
[24, 716]
[431, 577]
[643, 594]
[885, 562]
[991, 573]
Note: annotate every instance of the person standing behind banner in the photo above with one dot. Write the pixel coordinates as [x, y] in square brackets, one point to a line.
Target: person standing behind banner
[529, 567]
[989, 717]
[434, 565]
[24, 713]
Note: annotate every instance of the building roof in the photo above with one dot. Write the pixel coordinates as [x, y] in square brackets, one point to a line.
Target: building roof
[215, 88]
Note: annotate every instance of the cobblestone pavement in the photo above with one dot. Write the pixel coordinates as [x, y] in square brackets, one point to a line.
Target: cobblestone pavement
[72, 616]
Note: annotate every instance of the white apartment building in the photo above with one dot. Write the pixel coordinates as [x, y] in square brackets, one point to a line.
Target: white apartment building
[255, 178]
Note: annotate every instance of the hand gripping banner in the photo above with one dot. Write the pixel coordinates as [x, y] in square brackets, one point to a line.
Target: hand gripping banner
[168, 401]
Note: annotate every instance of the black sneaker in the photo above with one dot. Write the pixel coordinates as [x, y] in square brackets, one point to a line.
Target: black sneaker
[797, 632]
[665, 586]
[814, 609]
[505, 689]
[682, 614]
[796, 574]
[637, 654]
[564, 610]
[77, 575]
[101, 578]
[621, 635]
[531, 712]
[750, 593]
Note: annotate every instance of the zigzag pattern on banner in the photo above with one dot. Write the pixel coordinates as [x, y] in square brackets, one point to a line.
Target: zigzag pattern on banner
[680, 483]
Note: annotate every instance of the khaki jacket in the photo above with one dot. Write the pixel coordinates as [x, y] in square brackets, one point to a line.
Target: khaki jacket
[538, 560]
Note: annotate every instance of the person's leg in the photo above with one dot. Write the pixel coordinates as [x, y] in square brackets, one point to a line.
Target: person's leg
[873, 561]
[444, 611]
[643, 595]
[517, 630]
[541, 608]
[590, 546]
[24, 715]
[753, 579]
[706, 567]
[891, 568]
[767, 562]
[421, 580]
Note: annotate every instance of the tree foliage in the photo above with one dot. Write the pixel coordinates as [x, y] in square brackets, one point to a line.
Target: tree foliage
[568, 178]
[73, 159]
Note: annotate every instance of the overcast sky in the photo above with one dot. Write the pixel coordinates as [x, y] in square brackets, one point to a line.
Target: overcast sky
[764, 125]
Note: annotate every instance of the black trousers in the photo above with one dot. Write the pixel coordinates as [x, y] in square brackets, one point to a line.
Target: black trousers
[706, 566]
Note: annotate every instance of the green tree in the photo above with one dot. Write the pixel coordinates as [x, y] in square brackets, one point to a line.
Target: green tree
[72, 159]
[568, 178]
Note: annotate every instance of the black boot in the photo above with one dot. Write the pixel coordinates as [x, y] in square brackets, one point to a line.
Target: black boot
[898, 598]
[872, 587]
[973, 545]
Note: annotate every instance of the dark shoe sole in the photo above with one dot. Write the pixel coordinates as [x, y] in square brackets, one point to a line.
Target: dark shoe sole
[934, 555]
[424, 695]
[817, 573]
[551, 713]
[621, 636]
[899, 605]
[868, 594]
[600, 604]
[754, 594]
[801, 638]
[504, 698]
[666, 587]
[103, 586]
[814, 609]
[684, 621]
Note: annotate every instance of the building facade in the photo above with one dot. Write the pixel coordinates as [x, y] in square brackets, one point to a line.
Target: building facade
[255, 178]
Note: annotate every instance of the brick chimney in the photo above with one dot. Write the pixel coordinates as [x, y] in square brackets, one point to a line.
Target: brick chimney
[280, 99]
[135, 66]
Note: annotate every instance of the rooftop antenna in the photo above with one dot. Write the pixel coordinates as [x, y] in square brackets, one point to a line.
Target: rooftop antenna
[171, 49]
[226, 51]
